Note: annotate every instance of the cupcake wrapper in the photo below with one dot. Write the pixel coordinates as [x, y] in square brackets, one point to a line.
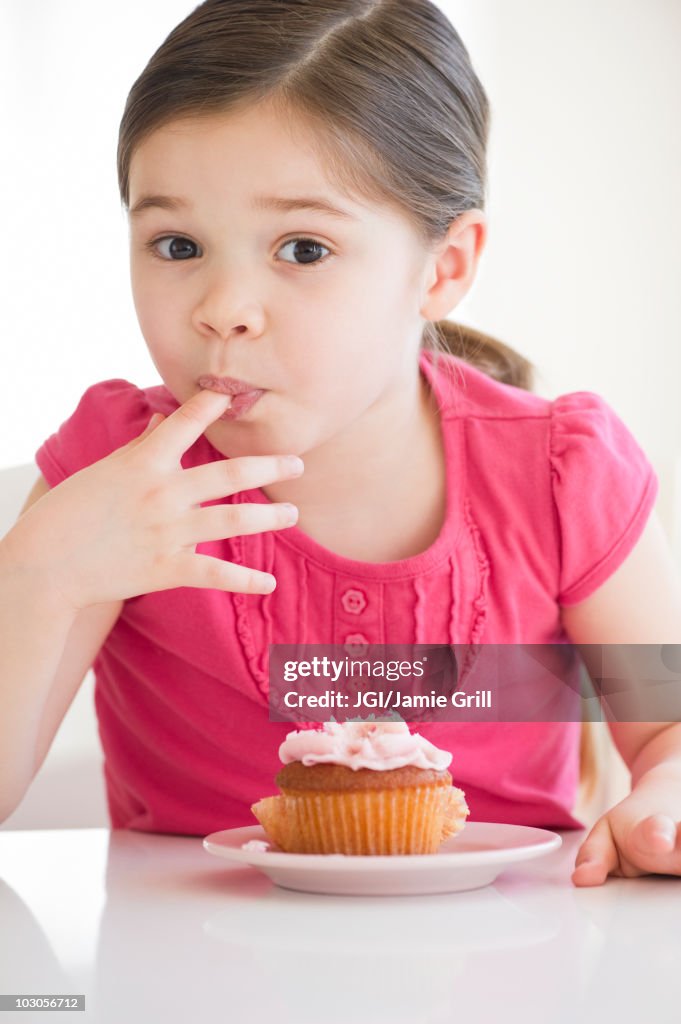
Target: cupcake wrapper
[396, 821]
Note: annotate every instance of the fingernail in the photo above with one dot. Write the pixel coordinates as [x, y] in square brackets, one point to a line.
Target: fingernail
[291, 513]
[294, 464]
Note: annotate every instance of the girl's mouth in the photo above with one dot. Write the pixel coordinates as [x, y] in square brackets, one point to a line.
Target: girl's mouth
[244, 395]
[241, 404]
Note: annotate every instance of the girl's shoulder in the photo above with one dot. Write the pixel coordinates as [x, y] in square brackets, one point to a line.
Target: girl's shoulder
[567, 467]
[123, 398]
[108, 415]
[570, 420]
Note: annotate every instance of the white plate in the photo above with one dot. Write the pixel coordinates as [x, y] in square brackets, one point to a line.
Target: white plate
[469, 860]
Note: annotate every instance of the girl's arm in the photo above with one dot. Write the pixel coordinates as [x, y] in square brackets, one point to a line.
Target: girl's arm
[639, 604]
[46, 649]
[34, 625]
[128, 524]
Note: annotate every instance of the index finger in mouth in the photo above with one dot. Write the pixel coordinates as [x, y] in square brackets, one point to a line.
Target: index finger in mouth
[187, 423]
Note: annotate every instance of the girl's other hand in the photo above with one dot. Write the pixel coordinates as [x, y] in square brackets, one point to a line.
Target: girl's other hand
[129, 523]
[641, 835]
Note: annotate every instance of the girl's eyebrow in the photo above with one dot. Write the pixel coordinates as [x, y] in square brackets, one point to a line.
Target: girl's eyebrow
[149, 202]
[283, 203]
[316, 203]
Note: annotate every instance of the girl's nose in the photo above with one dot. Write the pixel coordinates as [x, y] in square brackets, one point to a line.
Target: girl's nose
[227, 306]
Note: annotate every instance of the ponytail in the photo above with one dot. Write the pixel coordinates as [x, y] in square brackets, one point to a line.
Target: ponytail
[481, 350]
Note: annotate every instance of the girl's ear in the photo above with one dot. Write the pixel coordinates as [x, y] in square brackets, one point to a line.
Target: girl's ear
[452, 265]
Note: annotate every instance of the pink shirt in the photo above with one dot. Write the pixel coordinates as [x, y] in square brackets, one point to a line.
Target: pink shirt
[545, 499]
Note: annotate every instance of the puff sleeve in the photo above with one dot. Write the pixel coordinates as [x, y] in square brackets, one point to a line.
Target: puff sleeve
[108, 415]
[604, 489]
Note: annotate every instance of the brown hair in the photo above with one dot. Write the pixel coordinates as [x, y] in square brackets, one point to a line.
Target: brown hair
[398, 112]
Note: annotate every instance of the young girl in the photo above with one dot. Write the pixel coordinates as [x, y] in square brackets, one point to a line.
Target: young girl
[305, 182]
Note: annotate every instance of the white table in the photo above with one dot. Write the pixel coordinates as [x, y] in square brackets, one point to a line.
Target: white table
[152, 928]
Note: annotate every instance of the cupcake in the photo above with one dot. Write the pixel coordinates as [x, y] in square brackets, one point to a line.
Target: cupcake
[362, 788]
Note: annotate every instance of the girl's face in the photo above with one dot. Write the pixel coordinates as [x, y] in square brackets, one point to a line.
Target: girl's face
[235, 274]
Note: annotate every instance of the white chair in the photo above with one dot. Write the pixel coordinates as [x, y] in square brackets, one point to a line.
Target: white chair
[677, 512]
[68, 791]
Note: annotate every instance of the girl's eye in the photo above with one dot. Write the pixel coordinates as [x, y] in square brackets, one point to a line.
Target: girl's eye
[305, 249]
[178, 248]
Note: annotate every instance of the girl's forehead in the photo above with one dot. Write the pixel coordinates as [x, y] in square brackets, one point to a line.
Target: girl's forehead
[232, 148]
[239, 136]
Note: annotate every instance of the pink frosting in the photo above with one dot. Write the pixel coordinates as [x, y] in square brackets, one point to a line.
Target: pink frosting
[380, 746]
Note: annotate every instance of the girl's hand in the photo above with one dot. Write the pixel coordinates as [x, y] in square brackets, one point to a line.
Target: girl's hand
[641, 835]
[129, 523]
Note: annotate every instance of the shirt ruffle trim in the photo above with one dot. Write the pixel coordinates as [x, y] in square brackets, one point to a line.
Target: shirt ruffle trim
[467, 619]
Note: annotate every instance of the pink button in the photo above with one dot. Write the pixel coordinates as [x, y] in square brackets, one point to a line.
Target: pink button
[355, 644]
[354, 601]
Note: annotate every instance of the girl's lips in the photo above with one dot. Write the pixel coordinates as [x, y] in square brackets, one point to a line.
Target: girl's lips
[226, 385]
[244, 395]
[241, 403]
